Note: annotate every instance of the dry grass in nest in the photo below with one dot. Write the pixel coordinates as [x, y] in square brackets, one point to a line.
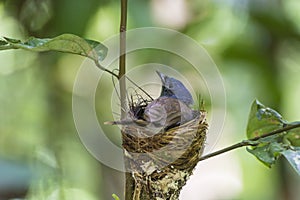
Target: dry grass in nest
[162, 162]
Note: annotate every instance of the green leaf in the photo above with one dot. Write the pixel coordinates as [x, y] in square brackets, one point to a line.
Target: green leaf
[292, 138]
[268, 149]
[262, 120]
[115, 197]
[293, 156]
[67, 43]
[268, 153]
[3, 43]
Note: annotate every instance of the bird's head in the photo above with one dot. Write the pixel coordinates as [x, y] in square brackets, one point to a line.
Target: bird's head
[173, 88]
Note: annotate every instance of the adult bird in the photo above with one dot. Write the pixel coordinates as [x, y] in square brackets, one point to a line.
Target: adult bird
[174, 88]
[170, 109]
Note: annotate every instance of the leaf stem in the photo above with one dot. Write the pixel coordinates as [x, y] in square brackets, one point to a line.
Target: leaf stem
[250, 142]
[104, 69]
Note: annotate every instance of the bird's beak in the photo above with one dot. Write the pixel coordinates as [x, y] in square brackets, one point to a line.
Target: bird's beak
[161, 76]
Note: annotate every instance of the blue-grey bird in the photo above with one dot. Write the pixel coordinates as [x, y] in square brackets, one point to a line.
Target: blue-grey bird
[173, 88]
[170, 109]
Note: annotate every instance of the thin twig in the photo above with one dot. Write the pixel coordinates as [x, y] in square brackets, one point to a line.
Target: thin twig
[250, 142]
[122, 60]
[114, 84]
[139, 88]
[232, 147]
[286, 128]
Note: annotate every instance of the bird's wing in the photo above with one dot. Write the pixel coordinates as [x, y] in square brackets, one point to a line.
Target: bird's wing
[155, 114]
[162, 113]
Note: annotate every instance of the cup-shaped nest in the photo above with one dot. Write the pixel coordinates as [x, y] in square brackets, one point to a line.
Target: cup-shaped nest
[149, 149]
[161, 162]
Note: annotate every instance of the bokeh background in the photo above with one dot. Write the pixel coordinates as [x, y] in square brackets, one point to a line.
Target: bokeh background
[255, 44]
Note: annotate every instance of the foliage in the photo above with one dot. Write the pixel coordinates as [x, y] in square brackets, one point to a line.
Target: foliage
[240, 44]
[268, 144]
[67, 43]
[115, 197]
[270, 147]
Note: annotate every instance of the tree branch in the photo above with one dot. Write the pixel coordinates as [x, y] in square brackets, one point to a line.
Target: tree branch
[250, 142]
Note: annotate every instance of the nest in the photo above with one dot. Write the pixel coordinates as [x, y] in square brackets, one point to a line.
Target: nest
[161, 163]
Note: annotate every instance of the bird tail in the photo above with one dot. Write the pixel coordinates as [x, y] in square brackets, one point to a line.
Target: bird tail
[121, 122]
[126, 122]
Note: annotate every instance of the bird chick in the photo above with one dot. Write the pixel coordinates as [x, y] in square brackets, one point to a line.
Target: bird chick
[170, 109]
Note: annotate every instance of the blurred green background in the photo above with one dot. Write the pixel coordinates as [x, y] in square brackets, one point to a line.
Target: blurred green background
[255, 45]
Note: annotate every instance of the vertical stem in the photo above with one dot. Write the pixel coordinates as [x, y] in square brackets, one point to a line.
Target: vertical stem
[122, 60]
[122, 70]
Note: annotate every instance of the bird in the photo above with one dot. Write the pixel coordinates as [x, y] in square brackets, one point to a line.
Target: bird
[167, 112]
[170, 109]
[174, 88]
